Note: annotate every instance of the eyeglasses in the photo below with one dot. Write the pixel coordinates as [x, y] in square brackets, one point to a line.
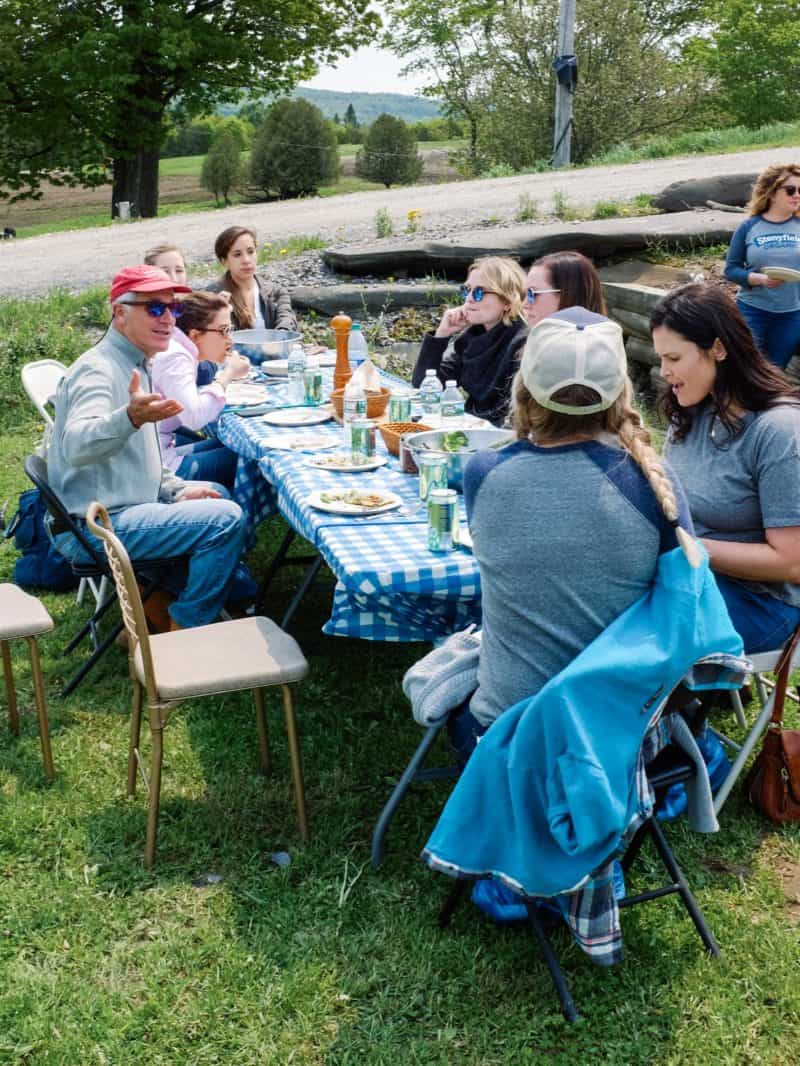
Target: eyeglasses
[790, 190]
[226, 331]
[156, 308]
[531, 294]
[477, 292]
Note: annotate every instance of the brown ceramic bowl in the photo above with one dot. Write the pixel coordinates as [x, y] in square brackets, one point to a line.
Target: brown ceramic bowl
[376, 402]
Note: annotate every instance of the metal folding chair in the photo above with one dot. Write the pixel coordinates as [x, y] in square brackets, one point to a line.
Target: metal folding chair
[670, 767]
[763, 663]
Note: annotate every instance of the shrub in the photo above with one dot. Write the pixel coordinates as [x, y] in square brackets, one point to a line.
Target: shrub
[383, 223]
[294, 151]
[223, 170]
[389, 154]
[527, 208]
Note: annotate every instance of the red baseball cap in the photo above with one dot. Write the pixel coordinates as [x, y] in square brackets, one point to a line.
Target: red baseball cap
[142, 278]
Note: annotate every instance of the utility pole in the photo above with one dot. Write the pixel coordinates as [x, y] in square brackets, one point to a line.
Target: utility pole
[562, 132]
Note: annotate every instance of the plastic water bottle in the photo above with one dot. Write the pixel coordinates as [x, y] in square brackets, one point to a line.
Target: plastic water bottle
[452, 402]
[430, 393]
[354, 406]
[296, 366]
[357, 350]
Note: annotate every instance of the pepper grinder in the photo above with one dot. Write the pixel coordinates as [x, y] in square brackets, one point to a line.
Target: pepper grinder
[341, 324]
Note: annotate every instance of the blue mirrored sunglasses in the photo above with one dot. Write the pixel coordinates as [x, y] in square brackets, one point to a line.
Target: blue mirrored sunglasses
[156, 308]
[531, 294]
[477, 293]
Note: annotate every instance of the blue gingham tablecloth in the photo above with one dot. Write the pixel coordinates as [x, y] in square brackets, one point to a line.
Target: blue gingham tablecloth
[389, 585]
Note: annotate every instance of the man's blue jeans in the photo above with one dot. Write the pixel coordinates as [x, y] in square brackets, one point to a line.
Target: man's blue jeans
[209, 532]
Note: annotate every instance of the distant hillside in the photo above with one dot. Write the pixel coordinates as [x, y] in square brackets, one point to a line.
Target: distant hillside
[367, 106]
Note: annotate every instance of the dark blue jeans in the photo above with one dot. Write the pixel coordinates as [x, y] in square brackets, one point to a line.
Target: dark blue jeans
[776, 334]
[208, 460]
[763, 622]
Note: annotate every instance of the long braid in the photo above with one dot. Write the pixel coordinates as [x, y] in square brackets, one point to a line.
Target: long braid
[636, 441]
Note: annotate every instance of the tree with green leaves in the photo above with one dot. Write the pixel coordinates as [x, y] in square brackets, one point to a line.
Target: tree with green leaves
[294, 151]
[223, 170]
[85, 86]
[389, 153]
[350, 117]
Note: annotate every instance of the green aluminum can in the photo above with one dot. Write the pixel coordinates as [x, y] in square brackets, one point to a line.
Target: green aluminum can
[442, 520]
[362, 438]
[312, 382]
[400, 407]
[432, 472]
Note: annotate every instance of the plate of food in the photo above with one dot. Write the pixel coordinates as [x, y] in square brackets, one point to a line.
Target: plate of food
[245, 394]
[299, 416]
[279, 368]
[346, 462]
[311, 442]
[354, 502]
[782, 273]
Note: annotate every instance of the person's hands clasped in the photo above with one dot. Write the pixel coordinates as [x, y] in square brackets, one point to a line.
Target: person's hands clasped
[148, 406]
[454, 320]
[198, 490]
[236, 367]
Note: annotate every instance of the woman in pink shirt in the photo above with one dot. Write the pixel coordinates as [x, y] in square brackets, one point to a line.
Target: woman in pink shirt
[203, 332]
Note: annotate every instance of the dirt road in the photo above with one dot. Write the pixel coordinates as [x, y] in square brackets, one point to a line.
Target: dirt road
[80, 258]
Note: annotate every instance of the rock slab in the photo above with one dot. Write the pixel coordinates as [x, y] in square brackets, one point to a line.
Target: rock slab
[733, 189]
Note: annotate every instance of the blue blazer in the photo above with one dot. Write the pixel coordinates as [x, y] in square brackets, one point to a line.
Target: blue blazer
[550, 789]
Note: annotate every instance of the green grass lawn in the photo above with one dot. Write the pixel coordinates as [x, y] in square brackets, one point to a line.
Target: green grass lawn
[323, 961]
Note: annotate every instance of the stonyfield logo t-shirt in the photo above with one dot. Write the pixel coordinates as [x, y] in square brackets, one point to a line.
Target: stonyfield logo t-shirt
[756, 244]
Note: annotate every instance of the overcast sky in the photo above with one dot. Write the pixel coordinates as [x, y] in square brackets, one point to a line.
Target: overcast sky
[369, 70]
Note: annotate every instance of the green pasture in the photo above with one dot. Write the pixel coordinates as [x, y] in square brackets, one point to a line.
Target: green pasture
[324, 961]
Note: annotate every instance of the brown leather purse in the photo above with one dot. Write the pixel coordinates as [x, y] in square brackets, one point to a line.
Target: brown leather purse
[773, 783]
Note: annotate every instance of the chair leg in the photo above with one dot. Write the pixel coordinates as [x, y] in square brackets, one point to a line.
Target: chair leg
[568, 1008]
[676, 874]
[136, 732]
[297, 766]
[750, 741]
[41, 708]
[11, 692]
[738, 709]
[157, 741]
[263, 733]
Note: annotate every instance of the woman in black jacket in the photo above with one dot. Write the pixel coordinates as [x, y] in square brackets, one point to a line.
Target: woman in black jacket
[489, 330]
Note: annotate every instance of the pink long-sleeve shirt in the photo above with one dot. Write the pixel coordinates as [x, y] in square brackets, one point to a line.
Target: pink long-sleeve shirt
[174, 374]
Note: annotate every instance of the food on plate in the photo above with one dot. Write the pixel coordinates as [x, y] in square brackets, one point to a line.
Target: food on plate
[356, 498]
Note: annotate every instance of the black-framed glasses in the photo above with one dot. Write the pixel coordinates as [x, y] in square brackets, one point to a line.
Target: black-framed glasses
[531, 294]
[790, 190]
[226, 331]
[477, 292]
[156, 308]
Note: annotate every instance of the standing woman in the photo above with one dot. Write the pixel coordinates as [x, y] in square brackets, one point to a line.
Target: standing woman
[205, 332]
[770, 237]
[255, 302]
[489, 331]
[734, 442]
[561, 280]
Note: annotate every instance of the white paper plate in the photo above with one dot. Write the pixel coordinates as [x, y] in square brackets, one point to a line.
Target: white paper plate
[344, 463]
[299, 416]
[339, 507]
[782, 273]
[308, 443]
[279, 368]
[245, 395]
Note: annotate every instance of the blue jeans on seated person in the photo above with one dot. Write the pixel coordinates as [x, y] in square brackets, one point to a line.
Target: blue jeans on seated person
[464, 731]
[777, 334]
[210, 533]
[763, 622]
[208, 460]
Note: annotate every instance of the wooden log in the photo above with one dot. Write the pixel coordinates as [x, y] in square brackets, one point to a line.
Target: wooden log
[641, 352]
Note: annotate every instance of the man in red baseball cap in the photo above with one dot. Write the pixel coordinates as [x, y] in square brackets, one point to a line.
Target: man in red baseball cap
[105, 447]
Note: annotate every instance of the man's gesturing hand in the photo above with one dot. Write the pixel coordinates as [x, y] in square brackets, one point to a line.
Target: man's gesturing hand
[148, 406]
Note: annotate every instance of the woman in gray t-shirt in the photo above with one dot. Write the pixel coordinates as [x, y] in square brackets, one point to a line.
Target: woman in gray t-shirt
[734, 442]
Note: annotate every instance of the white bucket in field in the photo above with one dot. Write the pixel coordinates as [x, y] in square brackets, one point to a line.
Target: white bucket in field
[124, 210]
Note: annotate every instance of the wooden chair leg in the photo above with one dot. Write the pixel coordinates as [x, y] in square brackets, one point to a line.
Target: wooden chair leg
[297, 766]
[136, 732]
[41, 708]
[263, 732]
[157, 742]
[11, 692]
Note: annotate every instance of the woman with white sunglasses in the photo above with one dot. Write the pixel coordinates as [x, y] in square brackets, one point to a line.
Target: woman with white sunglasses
[478, 343]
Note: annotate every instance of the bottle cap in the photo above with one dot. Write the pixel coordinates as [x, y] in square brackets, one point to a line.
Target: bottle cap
[355, 326]
[450, 384]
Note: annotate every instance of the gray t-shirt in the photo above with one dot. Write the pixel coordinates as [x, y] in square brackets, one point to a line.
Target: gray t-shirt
[756, 244]
[739, 485]
[566, 538]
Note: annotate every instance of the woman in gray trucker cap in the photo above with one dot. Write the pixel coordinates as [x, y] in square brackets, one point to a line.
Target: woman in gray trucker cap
[569, 521]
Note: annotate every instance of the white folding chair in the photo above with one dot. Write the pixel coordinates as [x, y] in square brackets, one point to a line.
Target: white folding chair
[763, 663]
[40, 380]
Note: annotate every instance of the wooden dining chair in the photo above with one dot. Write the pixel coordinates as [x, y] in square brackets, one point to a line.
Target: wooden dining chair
[169, 668]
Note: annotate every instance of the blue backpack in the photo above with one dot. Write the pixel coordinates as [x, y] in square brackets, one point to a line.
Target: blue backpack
[39, 566]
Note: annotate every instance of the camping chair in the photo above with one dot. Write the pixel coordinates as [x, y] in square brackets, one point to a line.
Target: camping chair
[670, 767]
[40, 380]
[96, 568]
[170, 668]
[763, 662]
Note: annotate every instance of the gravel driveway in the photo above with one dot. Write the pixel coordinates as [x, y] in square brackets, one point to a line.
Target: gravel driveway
[79, 258]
